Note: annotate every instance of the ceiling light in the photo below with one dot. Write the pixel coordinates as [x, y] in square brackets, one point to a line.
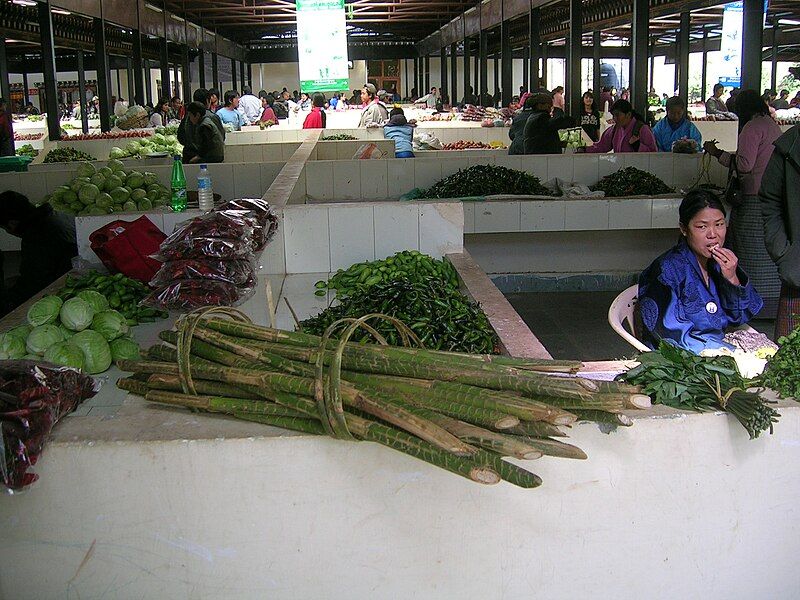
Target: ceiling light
[60, 11]
[788, 22]
[24, 2]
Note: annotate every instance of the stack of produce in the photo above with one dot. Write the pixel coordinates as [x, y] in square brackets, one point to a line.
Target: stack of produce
[121, 293]
[338, 137]
[417, 289]
[460, 412]
[27, 150]
[67, 154]
[783, 369]
[631, 181]
[466, 145]
[109, 135]
[82, 333]
[167, 130]
[210, 260]
[572, 138]
[473, 113]
[135, 117]
[487, 180]
[33, 398]
[680, 379]
[109, 189]
[158, 143]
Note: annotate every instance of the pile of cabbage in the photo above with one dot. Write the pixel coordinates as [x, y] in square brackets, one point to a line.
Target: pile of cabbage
[82, 332]
[110, 189]
[158, 142]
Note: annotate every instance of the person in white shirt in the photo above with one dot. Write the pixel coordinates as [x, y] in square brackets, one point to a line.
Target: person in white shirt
[250, 106]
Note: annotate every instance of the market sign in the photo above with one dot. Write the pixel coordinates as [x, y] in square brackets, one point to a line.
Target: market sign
[731, 45]
[322, 46]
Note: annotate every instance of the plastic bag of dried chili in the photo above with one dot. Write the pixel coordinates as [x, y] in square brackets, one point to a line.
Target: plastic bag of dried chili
[265, 219]
[215, 234]
[239, 272]
[33, 397]
[195, 293]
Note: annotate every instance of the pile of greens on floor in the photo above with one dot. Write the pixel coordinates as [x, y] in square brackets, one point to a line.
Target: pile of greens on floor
[415, 288]
[486, 180]
[678, 378]
[631, 181]
[783, 369]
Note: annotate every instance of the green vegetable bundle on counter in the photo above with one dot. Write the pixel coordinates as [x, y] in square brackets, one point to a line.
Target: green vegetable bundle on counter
[157, 143]
[631, 181]
[79, 333]
[783, 369]
[680, 379]
[487, 180]
[27, 150]
[108, 190]
[66, 154]
[112, 291]
[339, 137]
[410, 264]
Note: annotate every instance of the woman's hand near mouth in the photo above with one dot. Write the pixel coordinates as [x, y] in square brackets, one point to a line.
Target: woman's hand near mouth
[727, 262]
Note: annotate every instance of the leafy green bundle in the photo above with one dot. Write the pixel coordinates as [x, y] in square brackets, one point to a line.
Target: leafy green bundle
[487, 180]
[680, 379]
[783, 370]
[631, 181]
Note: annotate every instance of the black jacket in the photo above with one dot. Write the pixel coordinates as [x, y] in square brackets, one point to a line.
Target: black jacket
[780, 206]
[540, 134]
[516, 132]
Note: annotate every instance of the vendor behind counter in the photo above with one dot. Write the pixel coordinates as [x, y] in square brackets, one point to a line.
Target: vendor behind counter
[48, 246]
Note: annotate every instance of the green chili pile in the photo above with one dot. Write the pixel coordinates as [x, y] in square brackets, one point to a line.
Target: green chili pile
[123, 294]
[631, 181]
[409, 264]
[680, 379]
[487, 180]
[442, 317]
[783, 370]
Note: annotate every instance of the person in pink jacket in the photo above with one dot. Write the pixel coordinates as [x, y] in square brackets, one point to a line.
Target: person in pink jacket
[628, 134]
[757, 132]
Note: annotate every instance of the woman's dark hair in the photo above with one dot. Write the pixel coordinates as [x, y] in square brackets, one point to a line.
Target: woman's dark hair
[229, 97]
[675, 102]
[201, 95]
[319, 100]
[213, 92]
[593, 108]
[196, 108]
[396, 111]
[625, 107]
[263, 94]
[270, 99]
[696, 200]
[748, 105]
[162, 102]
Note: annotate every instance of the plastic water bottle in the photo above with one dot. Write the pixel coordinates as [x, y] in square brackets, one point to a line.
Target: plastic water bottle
[205, 193]
[178, 185]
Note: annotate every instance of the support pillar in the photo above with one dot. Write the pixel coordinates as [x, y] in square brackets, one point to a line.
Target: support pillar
[187, 75]
[597, 79]
[496, 77]
[103, 76]
[233, 75]
[704, 66]
[525, 70]
[25, 93]
[5, 83]
[427, 87]
[534, 49]
[444, 86]
[752, 43]
[682, 60]
[543, 78]
[166, 92]
[242, 74]
[483, 65]
[453, 74]
[468, 83]
[148, 83]
[82, 93]
[131, 90]
[215, 72]
[201, 68]
[639, 42]
[138, 71]
[506, 64]
[574, 55]
[774, 65]
[175, 72]
[406, 92]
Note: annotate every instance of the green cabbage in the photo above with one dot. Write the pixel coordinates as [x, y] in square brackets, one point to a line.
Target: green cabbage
[65, 354]
[95, 299]
[116, 153]
[112, 182]
[138, 194]
[88, 193]
[132, 148]
[124, 348]
[110, 324]
[129, 206]
[76, 314]
[42, 337]
[21, 331]
[116, 165]
[105, 171]
[12, 347]
[85, 169]
[44, 311]
[67, 333]
[96, 353]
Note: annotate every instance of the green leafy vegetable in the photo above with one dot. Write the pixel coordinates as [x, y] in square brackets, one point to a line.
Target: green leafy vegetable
[44, 311]
[631, 181]
[96, 352]
[110, 324]
[124, 348]
[12, 347]
[42, 337]
[487, 180]
[66, 354]
[783, 370]
[76, 314]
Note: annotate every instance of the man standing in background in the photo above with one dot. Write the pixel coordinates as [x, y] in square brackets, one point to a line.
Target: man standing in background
[250, 105]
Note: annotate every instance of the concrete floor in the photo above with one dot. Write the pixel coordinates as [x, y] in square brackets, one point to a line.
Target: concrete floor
[574, 325]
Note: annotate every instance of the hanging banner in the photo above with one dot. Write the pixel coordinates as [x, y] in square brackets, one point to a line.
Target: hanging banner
[322, 46]
[731, 45]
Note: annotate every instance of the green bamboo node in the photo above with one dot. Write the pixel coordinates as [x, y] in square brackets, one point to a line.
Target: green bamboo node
[327, 390]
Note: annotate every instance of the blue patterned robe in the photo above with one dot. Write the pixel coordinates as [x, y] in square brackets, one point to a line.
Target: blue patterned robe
[676, 305]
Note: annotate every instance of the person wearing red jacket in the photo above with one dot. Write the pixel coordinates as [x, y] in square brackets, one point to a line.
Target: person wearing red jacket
[316, 118]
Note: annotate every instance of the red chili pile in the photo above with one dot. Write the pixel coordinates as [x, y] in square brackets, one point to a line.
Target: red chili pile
[106, 136]
[27, 137]
[466, 145]
[34, 396]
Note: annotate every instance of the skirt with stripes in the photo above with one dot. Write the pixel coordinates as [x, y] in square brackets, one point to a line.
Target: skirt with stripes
[788, 311]
[746, 233]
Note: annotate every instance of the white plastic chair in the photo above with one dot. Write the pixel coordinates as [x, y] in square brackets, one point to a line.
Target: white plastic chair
[621, 312]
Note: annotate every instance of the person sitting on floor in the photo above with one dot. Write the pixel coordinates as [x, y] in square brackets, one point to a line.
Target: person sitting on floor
[690, 294]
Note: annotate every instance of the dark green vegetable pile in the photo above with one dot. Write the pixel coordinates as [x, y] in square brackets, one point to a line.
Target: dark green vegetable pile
[66, 155]
[631, 181]
[487, 180]
[339, 137]
[442, 317]
[123, 294]
[783, 369]
[410, 264]
[27, 150]
[678, 378]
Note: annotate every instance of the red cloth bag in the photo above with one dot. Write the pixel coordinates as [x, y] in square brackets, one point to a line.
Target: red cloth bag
[125, 247]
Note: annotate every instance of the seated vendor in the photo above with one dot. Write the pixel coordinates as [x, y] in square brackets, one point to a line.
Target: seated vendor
[689, 295]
